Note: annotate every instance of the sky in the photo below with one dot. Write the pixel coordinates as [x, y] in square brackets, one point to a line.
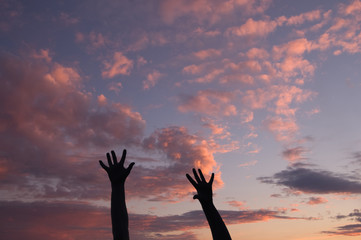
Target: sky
[264, 93]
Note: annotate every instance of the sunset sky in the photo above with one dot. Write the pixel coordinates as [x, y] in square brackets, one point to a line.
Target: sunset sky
[265, 94]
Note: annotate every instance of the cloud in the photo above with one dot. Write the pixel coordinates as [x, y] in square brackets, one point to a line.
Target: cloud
[314, 181]
[208, 102]
[247, 164]
[11, 13]
[115, 86]
[237, 204]
[67, 19]
[42, 54]
[316, 200]
[349, 229]
[52, 132]
[257, 53]
[216, 129]
[174, 152]
[282, 96]
[294, 154]
[355, 6]
[240, 78]
[284, 129]
[203, 54]
[303, 17]
[51, 128]
[152, 79]
[253, 28]
[120, 65]
[346, 230]
[43, 220]
[209, 11]
[355, 215]
[79, 220]
[279, 100]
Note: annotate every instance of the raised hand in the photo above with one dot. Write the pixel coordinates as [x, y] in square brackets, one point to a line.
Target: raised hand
[118, 174]
[116, 171]
[205, 197]
[204, 188]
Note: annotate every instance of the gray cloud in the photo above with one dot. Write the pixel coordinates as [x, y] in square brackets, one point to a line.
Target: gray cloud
[314, 181]
[347, 230]
[79, 220]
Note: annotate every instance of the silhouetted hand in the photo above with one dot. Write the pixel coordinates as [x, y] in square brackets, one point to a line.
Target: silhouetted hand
[116, 171]
[204, 188]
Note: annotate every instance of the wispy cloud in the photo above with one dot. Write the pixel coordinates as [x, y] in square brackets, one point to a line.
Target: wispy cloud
[119, 65]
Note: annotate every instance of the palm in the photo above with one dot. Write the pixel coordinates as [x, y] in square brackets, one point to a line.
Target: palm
[204, 188]
[116, 171]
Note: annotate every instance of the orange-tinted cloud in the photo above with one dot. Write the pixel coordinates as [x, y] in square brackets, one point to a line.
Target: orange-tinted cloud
[253, 28]
[203, 54]
[119, 65]
[294, 154]
[316, 200]
[209, 102]
[209, 11]
[307, 16]
[79, 220]
[152, 79]
[48, 124]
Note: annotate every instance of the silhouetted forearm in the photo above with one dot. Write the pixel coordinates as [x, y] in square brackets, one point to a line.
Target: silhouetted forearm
[218, 228]
[119, 213]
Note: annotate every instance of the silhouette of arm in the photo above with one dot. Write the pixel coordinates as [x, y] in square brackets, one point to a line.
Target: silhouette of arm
[117, 174]
[205, 197]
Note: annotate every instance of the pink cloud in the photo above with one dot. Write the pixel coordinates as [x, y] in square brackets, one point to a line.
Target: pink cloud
[120, 65]
[193, 69]
[48, 124]
[300, 19]
[316, 200]
[209, 77]
[115, 86]
[182, 151]
[152, 79]
[237, 204]
[294, 154]
[253, 28]
[79, 220]
[209, 11]
[209, 102]
[284, 129]
[355, 6]
[96, 40]
[203, 54]
[141, 61]
[53, 130]
[237, 78]
[257, 53]
[42, 54]
[216, 129]
[207, 33]
[102, 100]
[293, 48]
[247, 164]
[246, 116]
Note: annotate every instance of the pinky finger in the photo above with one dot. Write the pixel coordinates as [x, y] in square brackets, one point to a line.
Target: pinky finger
[103, 165]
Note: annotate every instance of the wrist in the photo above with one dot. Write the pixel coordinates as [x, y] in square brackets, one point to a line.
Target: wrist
[206, 202]
[117, 185]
